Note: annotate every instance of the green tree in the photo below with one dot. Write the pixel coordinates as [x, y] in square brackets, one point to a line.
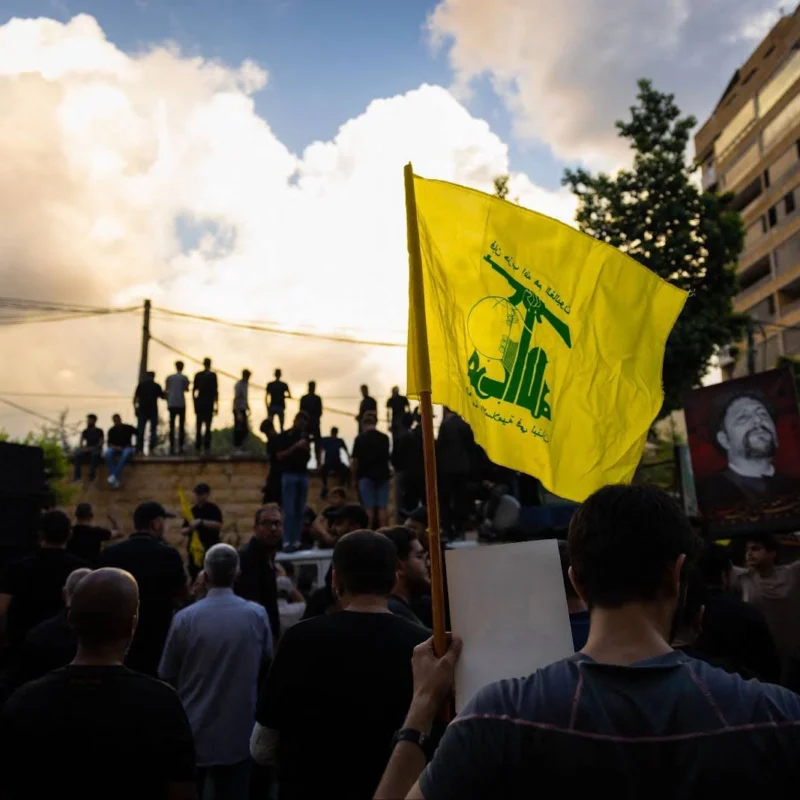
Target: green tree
[501, 186]
[655, 213]
[222, 443]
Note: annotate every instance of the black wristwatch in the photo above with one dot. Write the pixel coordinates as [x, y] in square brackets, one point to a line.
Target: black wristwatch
[422, 740]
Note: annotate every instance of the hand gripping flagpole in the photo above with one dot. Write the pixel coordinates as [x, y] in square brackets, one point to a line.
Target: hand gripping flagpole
[417, 300]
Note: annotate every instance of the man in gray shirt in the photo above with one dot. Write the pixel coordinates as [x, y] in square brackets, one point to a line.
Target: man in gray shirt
[627, 715]
[176, 388]
[212, 657]
[240, 401]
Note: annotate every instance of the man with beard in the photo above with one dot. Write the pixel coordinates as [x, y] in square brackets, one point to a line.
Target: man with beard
[747, 435]
[412, 580]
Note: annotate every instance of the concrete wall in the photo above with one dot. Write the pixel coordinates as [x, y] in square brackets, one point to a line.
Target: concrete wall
[235, 482]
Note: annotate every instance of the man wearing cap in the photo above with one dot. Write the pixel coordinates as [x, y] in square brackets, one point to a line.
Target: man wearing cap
[158, 570]
[203, 530]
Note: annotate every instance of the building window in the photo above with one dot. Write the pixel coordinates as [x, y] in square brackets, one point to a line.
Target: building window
[766, 179]
[773, 217]
[763, 224]
[788, 202]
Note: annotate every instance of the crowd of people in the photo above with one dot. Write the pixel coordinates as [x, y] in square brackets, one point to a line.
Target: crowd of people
[124, 441]
[134, 674]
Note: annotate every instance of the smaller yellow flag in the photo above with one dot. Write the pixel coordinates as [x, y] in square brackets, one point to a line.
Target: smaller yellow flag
[197, 551]
[186, 509]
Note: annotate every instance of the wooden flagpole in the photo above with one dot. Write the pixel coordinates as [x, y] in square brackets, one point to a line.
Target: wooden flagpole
[426, 412]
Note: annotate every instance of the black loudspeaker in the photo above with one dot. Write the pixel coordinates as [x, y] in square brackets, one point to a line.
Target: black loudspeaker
[23, 494]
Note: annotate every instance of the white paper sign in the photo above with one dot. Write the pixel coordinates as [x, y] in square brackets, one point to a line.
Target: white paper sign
[508, 604]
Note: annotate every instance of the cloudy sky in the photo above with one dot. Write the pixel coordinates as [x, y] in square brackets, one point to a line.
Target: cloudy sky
[244, 160]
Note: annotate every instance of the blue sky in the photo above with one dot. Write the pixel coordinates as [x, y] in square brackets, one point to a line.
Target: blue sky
[326, 60]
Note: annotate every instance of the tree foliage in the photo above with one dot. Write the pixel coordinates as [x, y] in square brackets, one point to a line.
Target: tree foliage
[501, 186]
[656, 213]
[222, 443]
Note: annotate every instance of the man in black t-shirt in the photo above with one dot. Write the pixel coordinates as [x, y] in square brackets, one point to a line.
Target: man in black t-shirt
[311, 404]
[293, 452]
[87, 539]
[367, 404]
[277, 392]
[203, 531]
[145, 404]
[370, 467]
[205, 393]
[50, 644]
[31, 587]
[455, 446]
[90, 448]
[408, 461]
[345, 722]
[102, 730]
[332, 447]
[119, 448]
[158, 569]
[398, 406]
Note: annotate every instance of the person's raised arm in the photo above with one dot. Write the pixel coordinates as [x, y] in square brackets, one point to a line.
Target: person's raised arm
[433, 680]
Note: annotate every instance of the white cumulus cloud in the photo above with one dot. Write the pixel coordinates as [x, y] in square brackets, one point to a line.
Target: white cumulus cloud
[124, 176]
[568, 68]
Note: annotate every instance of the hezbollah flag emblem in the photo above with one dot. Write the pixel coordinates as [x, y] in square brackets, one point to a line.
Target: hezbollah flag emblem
[548, 342]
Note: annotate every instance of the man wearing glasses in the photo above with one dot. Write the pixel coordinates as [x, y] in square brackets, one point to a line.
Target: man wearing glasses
[257, 579]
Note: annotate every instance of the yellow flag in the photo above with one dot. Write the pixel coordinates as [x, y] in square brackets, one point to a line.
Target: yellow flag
[549, 343]
[196, 549]
[186, 509]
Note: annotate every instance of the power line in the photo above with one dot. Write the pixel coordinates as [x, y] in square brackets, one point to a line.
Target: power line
[29, 411]
[250, 326]
[62, 396]
[30, 320]
[49, 305]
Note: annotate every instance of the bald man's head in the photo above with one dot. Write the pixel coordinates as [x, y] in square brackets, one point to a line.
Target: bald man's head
[73, 579]
[104, 607]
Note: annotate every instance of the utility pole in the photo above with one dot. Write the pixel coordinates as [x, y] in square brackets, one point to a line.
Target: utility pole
[145, 341]
[751, 348]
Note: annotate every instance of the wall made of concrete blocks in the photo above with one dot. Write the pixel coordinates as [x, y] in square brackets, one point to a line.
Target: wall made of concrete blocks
[236, 484]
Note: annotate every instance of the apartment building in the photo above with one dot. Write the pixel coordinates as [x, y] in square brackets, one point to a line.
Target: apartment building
[750, 146]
